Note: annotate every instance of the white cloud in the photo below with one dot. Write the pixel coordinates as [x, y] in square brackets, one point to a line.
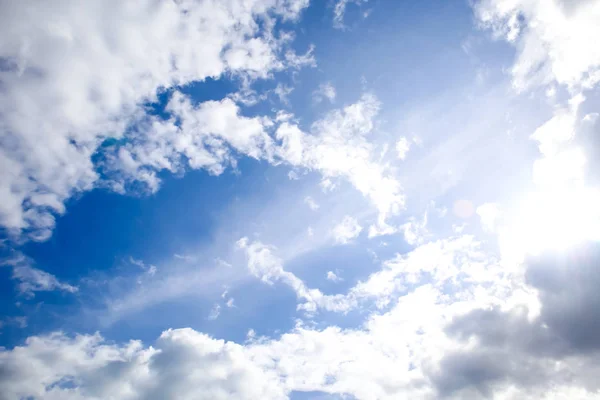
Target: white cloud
[203, 135]
[282, 92]
[415, 230]
[324, 91]
[339, 10]
[402, 147]
[488, 214]
[311, 203]
[148, 268]
[31, 279]
[332, 276]
[182, 364]
[451, 323]
[555, 39]
[214, 312]
[268, 267]
[347, 230]
[439, 262]
[71, 80]
[337, 147]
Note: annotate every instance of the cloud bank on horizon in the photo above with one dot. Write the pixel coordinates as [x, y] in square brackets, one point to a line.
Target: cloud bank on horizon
[284, 199]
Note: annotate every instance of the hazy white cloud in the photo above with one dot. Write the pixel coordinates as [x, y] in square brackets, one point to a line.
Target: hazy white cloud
[339, 10]
[347, 230]
[214, 312]
[415, 230]
[282, 92]
[325, 91]
[488, 214]
[402, 147]
[332, 276]
[311, 203]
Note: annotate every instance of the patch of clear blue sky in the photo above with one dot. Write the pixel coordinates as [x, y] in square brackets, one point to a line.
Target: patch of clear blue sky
[407, 52]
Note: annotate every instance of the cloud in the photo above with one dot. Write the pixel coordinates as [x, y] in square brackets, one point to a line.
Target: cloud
[339, 10]
[415, 230]
[201, 136]
[324, 91]
[311, 203]
[337, 146]
[554, 39]
[332, 276]
[183, 364]
[75, 80]
[402, 147]
[31, 280]
[488, 214]
[346, 230]
[452, 326]
[214, 312]
[555, 348]
[438, 263]
[282, 92]
[264, 264]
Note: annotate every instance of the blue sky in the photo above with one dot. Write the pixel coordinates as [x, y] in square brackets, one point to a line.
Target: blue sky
[363, 199]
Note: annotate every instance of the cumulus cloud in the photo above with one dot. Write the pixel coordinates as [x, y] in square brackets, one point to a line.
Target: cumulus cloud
[554, 39]
[182, 364]
[407, 343]
[557, 348]
[70, 80]
[201, 136]
[337, 146]
[451, 325]
[347, 230]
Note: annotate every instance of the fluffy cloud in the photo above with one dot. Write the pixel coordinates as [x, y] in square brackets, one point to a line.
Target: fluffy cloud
[402, 147]
[311, 203]
[74, 74]
[347, 230]
[457, 336]
[183, 364]
[337, 146]
[201, 136]
[488, 214]
[555, 349]
[454, 261]
[555, 39]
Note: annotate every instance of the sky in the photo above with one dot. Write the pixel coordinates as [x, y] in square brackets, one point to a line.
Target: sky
[299, 199]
